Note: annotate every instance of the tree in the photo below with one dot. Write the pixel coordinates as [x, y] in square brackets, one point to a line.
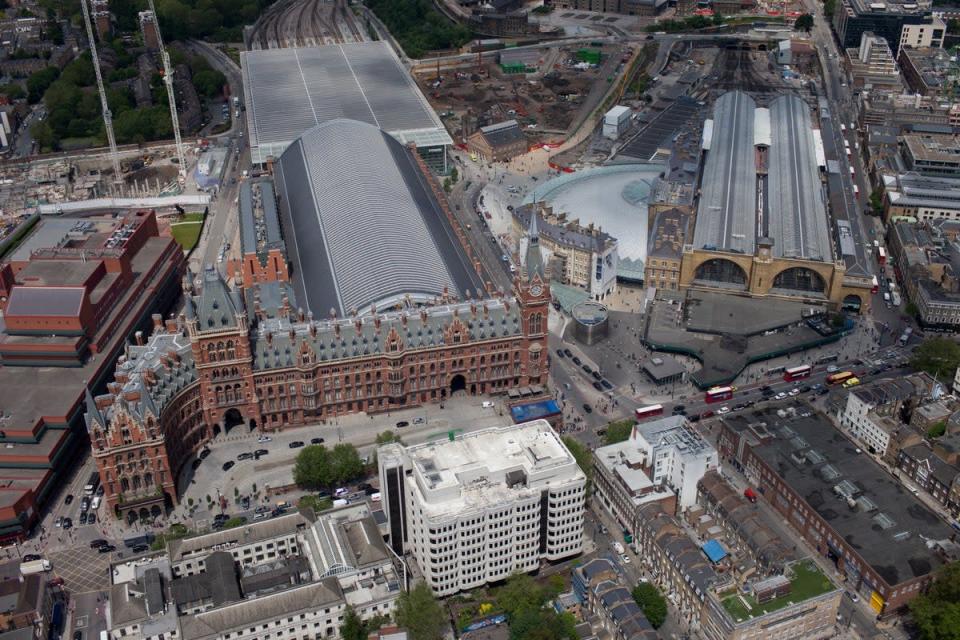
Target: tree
[43, 135]
[352, 627]
[876, 201]
[420, 613]
[520, 592]
[937, 356]
[829, 7]
[316, 503]
[313, 468]
[38, 83]
[804, 23]
[619, 431]
[936, 613]
[346, 463]
[653, 604]
[387, 437]
[582, 455]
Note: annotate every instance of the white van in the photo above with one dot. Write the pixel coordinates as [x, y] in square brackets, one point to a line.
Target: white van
[95, 504]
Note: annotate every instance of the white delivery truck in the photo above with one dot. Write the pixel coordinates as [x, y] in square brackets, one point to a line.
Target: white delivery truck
[35, 566]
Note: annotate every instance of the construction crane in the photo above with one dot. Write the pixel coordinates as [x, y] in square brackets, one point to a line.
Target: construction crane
[171, 96]
[107, 116]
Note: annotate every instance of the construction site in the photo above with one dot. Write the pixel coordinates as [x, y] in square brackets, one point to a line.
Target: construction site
[548, 90]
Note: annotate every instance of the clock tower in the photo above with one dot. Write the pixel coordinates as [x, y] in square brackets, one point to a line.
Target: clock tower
[532, 287]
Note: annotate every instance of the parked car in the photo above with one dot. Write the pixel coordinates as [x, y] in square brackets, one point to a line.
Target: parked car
[204, 453]
[559, 353]
[587, 408]
[707, 414]
[196, 464]
[296, 444]
[260, 452]
[402, 424]
[91, 518]
[228, 465]
[31, 557]
[723, 410]
[141, 548]
[606, 384]
[597, 386]
[317, 441]
[83, 517]
[67, 523]
[107, 548]
[68, 499]
[246, 455]
[568, 353]
[221, 517]
[263, 439]
[577, 361]
[99, 542]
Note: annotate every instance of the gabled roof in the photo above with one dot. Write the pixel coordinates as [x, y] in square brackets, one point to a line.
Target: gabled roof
[216, 306]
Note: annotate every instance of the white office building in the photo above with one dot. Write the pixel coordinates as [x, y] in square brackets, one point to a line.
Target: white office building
[870, 412]
[661, 462]
[481, 506]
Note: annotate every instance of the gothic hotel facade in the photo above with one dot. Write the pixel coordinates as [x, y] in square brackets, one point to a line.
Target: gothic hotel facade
[250, 358]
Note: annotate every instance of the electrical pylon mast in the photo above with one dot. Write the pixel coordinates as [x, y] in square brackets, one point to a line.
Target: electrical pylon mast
[107, 116]
[171, 96]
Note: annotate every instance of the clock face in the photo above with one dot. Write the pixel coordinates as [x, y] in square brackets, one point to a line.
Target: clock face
[536, 290]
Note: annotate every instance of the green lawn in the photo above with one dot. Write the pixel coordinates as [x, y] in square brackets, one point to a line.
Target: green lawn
[808, 582]
[187, 232]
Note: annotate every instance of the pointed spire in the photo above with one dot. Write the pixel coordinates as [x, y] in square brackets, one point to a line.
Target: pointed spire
[533, 261]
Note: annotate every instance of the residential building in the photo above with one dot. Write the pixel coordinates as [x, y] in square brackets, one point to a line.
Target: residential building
[872, 65]
[149, 29]
[676, 563]
[425, 327]
[853, 17]
[73, 292]
[929, 273]
[874, 413]
[661, 462]
[932, 474]
[26, 607]
[670, 231]
[294, 575]
[582, 256]
[481, 506]
[929, 34]
[498, 142]
[935, 155]
[932, 413]
[618, 613]
[926, 69]
[888, 545]
[905, 111]
[927, 199]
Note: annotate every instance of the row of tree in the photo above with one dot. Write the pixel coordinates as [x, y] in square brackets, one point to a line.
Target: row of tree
[418, 26]
[317, 467]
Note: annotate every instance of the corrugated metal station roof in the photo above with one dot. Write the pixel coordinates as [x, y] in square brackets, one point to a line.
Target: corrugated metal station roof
[365, 228]
[726, 216]
[291, 90]
[797, 214]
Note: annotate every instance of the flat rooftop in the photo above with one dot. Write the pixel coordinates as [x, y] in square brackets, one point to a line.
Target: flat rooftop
[491, 466]
[288, 91]
[889, 528]
[806, 582]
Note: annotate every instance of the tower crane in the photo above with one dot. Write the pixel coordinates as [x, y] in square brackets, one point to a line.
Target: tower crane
[171, 96]
[107, 116]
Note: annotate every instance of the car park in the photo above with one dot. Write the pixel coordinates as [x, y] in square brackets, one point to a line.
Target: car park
[228, 465]
[296, 444]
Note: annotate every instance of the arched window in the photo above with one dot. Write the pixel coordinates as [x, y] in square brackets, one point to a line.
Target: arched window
[535, 323]
[211, 355]
[231, 353]
[136, 483]
[148, 479]
[124, 484]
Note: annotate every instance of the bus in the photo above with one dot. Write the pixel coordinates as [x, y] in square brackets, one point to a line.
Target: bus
[796, 373]
[718, 394]
[92, 483]
[838, 377]
[833, 357]
[881, 256]
[649, 411]
[875, 285]
[851, 382]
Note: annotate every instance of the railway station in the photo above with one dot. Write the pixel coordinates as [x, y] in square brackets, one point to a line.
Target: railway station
[289, 91]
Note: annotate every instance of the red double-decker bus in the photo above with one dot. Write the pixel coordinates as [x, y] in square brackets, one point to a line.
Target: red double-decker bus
[875, 286]
[718, 394]
[795, 373]
[649, 411]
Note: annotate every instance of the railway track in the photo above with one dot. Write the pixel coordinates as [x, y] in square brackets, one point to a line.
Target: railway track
[306, 23]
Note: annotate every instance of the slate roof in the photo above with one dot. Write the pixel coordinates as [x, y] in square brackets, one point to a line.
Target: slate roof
[944, 473]
[218, 582]
[216, 306]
